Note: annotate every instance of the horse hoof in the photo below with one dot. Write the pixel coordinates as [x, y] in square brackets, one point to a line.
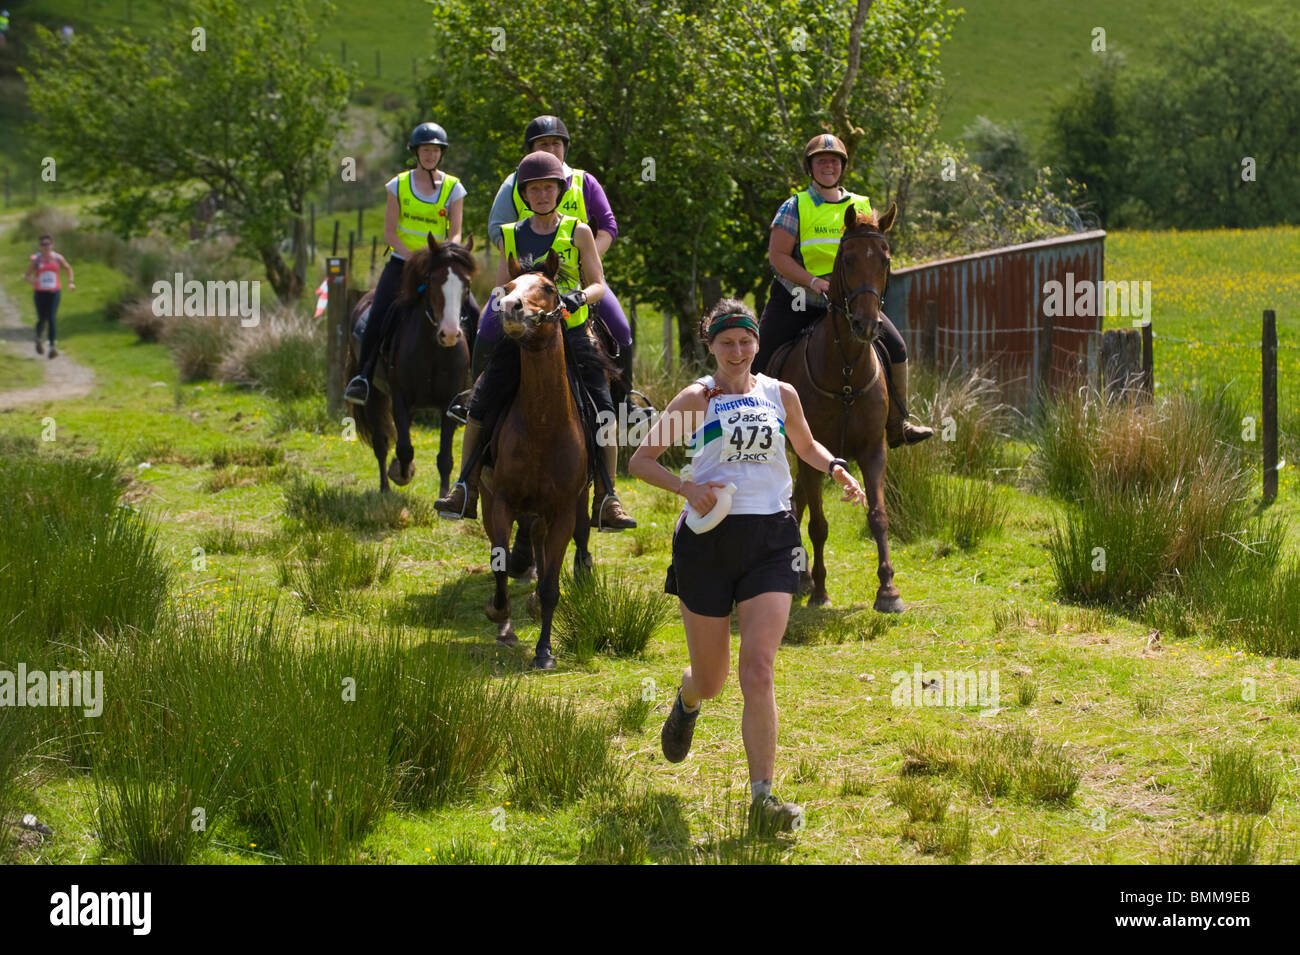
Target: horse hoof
[508, 640]
[819, 601]
[534, 606]
[805, 583]
[889, 604]
[495, 615]
[396, 475]
[518, 569]
[544, 662]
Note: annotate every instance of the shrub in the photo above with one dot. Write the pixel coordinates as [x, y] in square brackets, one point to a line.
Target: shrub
[283, 355]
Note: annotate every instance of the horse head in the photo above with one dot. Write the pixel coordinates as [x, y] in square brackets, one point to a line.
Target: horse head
[531, 300]
[439, 274]
[861, 270]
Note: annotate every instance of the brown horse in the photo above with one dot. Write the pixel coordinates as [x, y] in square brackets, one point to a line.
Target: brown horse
[539, 454]
[427, 362]
[841, 383]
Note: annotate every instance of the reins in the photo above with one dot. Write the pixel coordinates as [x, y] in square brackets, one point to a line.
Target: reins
[847, 395]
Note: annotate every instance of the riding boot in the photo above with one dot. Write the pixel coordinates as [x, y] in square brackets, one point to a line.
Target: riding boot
[463, 499]
[607, 514]
[899, 430]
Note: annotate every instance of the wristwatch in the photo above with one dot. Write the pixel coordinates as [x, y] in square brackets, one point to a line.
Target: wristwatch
[830, 468]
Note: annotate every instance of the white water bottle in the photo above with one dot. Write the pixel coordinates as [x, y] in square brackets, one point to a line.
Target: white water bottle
[703, 523]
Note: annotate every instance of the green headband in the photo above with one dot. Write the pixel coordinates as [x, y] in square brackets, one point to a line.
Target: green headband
[732, 320]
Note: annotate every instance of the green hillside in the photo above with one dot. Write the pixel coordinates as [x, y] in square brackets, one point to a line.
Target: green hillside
[1009, 59]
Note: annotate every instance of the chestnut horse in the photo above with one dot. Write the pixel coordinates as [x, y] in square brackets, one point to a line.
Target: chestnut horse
[427, 362]
[841, 383]
[539, 455]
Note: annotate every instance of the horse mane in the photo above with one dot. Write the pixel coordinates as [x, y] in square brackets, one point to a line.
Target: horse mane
[867, 220]
[423, 263]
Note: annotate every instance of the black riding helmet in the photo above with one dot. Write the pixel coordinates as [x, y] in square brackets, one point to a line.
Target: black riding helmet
[427, 134]
[546, 126]
[539, 166]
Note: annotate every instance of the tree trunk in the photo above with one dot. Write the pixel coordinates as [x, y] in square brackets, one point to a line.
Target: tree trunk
[286, 284]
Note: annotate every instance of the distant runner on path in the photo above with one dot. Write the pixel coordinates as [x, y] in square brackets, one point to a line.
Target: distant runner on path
[43, 276]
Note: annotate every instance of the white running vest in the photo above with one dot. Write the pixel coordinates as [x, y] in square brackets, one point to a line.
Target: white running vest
[742, 441]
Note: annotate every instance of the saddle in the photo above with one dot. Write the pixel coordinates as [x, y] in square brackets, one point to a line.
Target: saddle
[586, 409]
[776, 364]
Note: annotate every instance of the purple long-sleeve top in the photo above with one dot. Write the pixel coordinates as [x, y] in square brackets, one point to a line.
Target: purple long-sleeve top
[599, 215]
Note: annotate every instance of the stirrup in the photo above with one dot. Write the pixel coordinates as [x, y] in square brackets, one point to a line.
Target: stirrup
[458, 409]
[464, 506]
[355, 401]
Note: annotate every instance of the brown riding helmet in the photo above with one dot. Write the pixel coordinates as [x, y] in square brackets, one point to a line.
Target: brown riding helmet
[536, 167]
[825, 143]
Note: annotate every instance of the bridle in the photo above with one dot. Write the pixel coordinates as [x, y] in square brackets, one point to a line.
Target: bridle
[845, 304]
[555, 314]
[847, 394]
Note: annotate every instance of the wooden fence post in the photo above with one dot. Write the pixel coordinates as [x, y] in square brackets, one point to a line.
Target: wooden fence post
[1270, 405]
[336, 313]
[1148, 362]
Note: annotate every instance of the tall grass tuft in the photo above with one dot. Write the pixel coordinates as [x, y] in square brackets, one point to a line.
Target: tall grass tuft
[971, 421]
[332, 568]
[320, 506]
[598, 613]
[922, 501]
[453, 725]
[634, 828]
[1237, 781]
[284, 356]
[1233, 843]
[556, 755]
[74, 566]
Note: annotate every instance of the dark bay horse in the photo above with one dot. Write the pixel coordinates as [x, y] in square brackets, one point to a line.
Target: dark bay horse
[841, 383]
[427, 362]
[539, 455]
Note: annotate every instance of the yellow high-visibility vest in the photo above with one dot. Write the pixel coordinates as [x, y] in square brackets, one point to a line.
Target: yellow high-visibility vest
[417, 217]
[820, 228]
[569, 278]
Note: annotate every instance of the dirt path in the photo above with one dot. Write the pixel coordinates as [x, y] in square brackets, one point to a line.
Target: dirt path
[64, 378]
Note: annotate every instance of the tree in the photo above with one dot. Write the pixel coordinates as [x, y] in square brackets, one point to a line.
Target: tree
[215, 103]
[1205, 138]
[693, 116]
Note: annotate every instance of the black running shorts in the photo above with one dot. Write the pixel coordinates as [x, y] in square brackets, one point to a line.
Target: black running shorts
[744, 556]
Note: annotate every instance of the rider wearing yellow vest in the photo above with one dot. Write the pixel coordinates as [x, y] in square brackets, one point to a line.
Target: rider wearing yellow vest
[528, 242]
[421, 202]
[804, 240]
[569, 278]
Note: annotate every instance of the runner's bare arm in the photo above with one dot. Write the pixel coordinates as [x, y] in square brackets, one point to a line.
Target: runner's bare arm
[68, 265]
[682, 417]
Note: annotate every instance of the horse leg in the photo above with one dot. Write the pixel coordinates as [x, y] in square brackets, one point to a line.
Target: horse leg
[379, 443]
[497, 521]
[582, 562]
[551, 559]
[446, 439]
[872, 463]
[402, 470]
[817, 532]
[521, 563]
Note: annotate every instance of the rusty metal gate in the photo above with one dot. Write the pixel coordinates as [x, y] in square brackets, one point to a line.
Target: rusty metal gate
[988, 309]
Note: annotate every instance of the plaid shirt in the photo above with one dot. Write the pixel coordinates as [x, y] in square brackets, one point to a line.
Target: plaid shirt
[787, 218]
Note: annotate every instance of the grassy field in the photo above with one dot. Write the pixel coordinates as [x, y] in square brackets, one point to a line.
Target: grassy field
[1101, 747]
[1009, 59]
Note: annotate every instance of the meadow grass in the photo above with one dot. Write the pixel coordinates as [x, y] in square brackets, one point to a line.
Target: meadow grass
[840, 734]
[600, 613]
